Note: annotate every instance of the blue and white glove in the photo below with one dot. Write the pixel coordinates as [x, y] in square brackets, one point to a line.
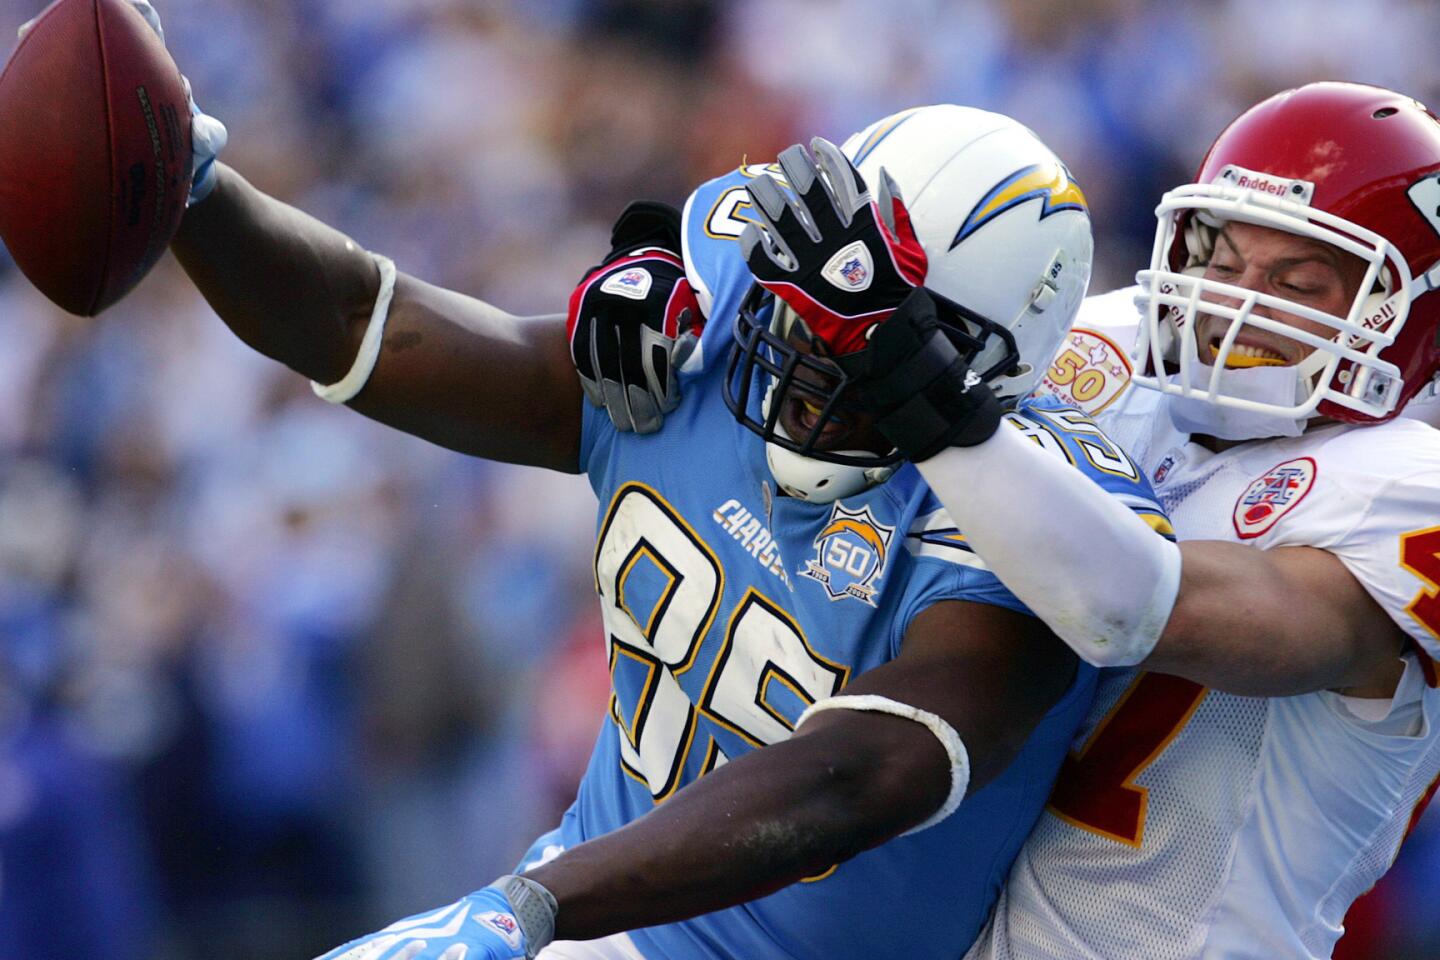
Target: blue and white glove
[208, 136]
[513, 917]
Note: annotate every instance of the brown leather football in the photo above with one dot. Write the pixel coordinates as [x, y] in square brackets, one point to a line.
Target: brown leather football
[94, 152]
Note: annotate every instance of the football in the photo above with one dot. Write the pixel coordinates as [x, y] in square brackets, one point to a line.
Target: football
[94, 152]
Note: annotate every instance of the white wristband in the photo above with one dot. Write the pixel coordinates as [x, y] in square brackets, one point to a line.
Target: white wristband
[345, 389]
[949, 739]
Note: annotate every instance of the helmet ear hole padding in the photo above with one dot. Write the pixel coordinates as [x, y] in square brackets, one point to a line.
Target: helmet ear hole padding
[1199, 243]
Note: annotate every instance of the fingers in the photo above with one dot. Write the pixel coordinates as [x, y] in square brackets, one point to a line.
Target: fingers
[685, 344]
[905, 248]
[636, 380]
[889, 198]
[846, 189]
[605, 362]
[646, 376]
[617, 405]
[814, 212]
[645, 415]
[614, 349]
[782, 225]
[366, 949]
[658, 376]
[584, 351]
[208, 137]
[830, 193]
[593, 391]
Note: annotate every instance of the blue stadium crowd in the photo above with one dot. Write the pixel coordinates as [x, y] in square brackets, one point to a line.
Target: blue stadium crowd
[272, 675]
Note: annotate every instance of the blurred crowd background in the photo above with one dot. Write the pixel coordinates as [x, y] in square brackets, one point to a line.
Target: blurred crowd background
[271, 675]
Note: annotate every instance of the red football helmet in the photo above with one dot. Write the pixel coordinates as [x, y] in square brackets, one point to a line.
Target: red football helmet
[1354, 166]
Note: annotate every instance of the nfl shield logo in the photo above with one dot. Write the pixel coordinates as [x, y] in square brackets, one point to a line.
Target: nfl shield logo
[1272, 496]
[853, 271]
[850, 269]
[1166, 465]
[502, 923]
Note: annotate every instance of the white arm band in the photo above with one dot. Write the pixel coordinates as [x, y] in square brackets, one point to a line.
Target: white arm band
[344, 390]
[949, 739]
[1082, 561]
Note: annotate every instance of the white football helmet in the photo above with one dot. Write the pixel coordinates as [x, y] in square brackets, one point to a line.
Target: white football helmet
[1006, 231]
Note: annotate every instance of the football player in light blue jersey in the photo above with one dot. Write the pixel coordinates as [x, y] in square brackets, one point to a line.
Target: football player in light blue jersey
[771, 575]
[821, 501]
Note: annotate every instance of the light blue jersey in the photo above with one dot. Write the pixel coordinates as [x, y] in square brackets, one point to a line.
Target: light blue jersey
[729, 609]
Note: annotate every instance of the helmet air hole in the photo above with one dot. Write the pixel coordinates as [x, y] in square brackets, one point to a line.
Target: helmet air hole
[1384, 112]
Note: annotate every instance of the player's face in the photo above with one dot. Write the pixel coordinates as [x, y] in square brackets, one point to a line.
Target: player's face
[1284, 265]
[847, 430]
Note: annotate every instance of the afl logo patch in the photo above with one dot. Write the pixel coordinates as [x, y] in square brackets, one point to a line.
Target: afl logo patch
[633, 284]
[1089, 372]
[1272, 496]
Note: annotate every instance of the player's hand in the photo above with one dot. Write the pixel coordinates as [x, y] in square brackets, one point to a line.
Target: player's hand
[634, 319]
[912, 379]
[207, 135]
[483, 926]
[841, 261]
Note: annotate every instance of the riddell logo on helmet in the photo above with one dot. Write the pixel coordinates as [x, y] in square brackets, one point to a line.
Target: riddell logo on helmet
[1299, 190]
[1262, 184]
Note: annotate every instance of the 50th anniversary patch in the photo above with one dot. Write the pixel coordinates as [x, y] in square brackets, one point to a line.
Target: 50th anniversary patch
[850, 554]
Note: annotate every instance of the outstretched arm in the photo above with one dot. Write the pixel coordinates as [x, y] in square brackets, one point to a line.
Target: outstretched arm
[452, 369]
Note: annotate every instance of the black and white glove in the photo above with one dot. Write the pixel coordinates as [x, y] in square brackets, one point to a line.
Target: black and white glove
[923, 395]
[634, 320]
[839, 260]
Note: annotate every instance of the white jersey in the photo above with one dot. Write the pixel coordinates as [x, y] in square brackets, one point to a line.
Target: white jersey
[1193, 824]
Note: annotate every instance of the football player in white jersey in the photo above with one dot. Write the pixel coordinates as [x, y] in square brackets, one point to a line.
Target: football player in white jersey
[1289, 314]
[1270, 734]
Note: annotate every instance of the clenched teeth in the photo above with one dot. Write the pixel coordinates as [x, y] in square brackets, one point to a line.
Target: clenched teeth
[1244, 355]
